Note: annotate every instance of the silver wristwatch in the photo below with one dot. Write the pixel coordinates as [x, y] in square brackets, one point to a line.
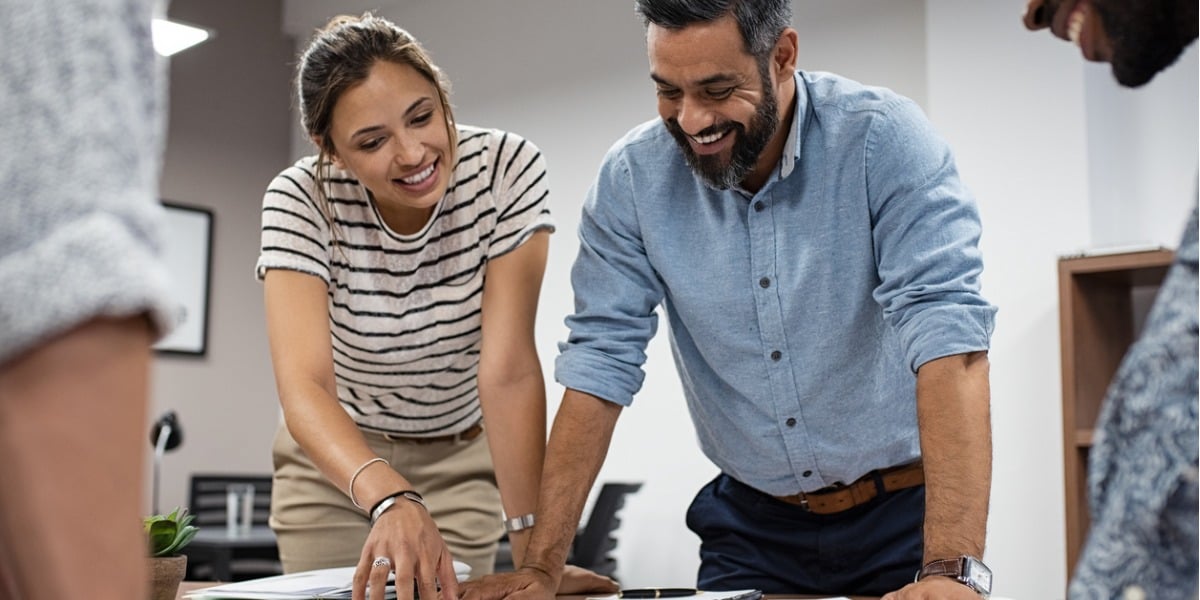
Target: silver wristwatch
[966, 570]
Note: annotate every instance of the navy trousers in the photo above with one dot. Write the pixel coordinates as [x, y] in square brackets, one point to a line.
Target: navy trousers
[750, 540]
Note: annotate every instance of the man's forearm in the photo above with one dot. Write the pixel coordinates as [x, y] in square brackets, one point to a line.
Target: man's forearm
[954, 413]
[578, 444]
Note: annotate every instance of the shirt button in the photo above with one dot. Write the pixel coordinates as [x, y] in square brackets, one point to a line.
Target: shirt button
[791, 422]
[776, 355]
[759, 206]
[764, 283]
[807, 473]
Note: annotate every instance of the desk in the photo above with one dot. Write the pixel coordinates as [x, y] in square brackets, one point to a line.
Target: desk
[191, 586]
[216, 546]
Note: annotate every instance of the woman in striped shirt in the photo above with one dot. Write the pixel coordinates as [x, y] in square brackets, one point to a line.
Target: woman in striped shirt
[401, 269]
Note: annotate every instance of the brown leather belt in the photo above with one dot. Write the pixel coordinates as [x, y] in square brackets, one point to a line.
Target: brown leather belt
[466, 435]
[835, 499]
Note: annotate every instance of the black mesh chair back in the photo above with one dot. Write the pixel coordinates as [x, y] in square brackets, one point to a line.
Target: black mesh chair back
[596, 540]
[207, 498]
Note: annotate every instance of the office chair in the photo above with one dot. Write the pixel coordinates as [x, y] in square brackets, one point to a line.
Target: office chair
[207, 500]
[596, 539]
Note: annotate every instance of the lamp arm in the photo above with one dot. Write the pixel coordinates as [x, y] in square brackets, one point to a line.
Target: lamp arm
[160, 448]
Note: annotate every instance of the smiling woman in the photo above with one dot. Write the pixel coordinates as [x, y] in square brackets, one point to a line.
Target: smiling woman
[404, 373]
[389, 130]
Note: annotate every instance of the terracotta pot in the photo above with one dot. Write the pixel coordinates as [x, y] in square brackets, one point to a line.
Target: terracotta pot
[165, 574]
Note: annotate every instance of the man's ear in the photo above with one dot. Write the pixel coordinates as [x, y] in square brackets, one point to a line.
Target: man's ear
[785, 53]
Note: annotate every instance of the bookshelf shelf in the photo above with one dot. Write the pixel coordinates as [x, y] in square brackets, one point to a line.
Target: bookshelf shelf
[1103, 300]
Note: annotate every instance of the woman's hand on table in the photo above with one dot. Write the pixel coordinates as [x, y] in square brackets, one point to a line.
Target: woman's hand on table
[405, 540]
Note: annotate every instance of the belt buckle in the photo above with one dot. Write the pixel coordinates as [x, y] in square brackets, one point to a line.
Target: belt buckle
[804, 502]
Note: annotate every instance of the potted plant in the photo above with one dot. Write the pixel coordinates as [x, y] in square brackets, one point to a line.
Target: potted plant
[166, 536]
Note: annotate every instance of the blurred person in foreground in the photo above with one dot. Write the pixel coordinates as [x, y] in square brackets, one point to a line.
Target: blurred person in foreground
[1143, 466]
[85, 294]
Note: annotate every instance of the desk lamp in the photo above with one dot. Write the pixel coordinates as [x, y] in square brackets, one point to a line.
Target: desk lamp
[165, 434]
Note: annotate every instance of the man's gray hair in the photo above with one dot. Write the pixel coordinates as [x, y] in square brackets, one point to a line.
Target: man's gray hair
[759, 21]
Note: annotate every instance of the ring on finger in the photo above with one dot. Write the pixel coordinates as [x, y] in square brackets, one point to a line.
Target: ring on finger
[381, 561]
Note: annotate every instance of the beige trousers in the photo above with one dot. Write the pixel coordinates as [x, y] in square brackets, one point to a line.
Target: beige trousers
[318, 527]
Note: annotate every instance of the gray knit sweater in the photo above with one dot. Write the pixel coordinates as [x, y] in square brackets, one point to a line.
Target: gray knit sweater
[80, 145]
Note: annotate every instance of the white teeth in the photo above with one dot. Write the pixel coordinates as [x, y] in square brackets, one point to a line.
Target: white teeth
[708, 139]
[419, 177]
[1075, 24]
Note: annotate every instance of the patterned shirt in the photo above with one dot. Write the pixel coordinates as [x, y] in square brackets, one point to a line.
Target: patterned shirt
[1142, 475]
[405, 310]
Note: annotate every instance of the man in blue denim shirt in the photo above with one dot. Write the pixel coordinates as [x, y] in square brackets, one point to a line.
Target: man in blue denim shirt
[1142, 472]
[813, 248]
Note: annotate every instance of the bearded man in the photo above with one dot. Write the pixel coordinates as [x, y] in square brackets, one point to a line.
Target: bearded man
[817, 258]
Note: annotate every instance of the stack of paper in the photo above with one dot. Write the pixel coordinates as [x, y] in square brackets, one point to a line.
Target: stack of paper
[322, 584]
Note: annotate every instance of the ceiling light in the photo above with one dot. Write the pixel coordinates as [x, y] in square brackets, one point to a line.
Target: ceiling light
[171, 37]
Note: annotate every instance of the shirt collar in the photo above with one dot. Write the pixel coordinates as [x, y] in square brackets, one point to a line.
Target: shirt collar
[791, 148]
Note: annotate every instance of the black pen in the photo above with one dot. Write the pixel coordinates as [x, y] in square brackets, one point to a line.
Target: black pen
[658, 593]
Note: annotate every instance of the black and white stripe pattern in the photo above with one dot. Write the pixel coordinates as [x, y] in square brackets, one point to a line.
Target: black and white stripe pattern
[405, 310]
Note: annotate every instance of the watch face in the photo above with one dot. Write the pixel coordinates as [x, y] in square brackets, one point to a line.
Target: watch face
[978, 575]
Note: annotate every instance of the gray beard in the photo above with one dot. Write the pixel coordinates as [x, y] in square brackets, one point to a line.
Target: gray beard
[749, 144]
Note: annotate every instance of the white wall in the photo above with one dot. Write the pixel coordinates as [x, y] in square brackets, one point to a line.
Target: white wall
[1142, 171]
[1037, 138]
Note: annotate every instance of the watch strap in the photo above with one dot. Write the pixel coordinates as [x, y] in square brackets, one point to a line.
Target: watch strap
[945, 567]
[965, 569]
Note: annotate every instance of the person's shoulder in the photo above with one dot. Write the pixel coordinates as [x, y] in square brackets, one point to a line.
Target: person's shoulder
[300, 173]
[644, 140]
[829, 91]
[473, 138]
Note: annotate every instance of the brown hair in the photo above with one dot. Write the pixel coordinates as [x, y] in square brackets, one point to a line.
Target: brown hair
[339, 57]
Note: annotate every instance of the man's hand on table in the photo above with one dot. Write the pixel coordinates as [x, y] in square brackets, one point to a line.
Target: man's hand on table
[577, 580]
[534, 584]
[934, 588]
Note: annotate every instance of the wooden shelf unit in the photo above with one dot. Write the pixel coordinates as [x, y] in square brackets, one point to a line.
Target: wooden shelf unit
[1102, 301]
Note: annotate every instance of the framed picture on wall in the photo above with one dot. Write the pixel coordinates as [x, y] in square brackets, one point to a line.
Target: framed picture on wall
[188, 254]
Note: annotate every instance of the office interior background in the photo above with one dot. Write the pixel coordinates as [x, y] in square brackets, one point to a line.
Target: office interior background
[1059, 158]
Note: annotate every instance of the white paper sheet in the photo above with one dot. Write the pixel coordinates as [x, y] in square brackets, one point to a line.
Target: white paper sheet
[321, 584]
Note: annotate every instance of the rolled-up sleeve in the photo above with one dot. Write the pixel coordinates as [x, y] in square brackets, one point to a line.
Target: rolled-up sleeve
[616, 293]
[926, 233]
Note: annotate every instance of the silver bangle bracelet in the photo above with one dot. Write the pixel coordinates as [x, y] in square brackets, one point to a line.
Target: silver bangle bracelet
[383, 505]
[390, 501]
[518, 523]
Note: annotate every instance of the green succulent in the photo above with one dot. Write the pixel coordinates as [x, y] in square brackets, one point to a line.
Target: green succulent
[168, 534]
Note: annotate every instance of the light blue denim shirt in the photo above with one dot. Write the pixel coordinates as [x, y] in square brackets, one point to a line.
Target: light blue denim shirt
[797, 315]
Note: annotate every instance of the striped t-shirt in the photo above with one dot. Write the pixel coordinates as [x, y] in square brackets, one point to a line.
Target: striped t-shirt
[405, 311]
